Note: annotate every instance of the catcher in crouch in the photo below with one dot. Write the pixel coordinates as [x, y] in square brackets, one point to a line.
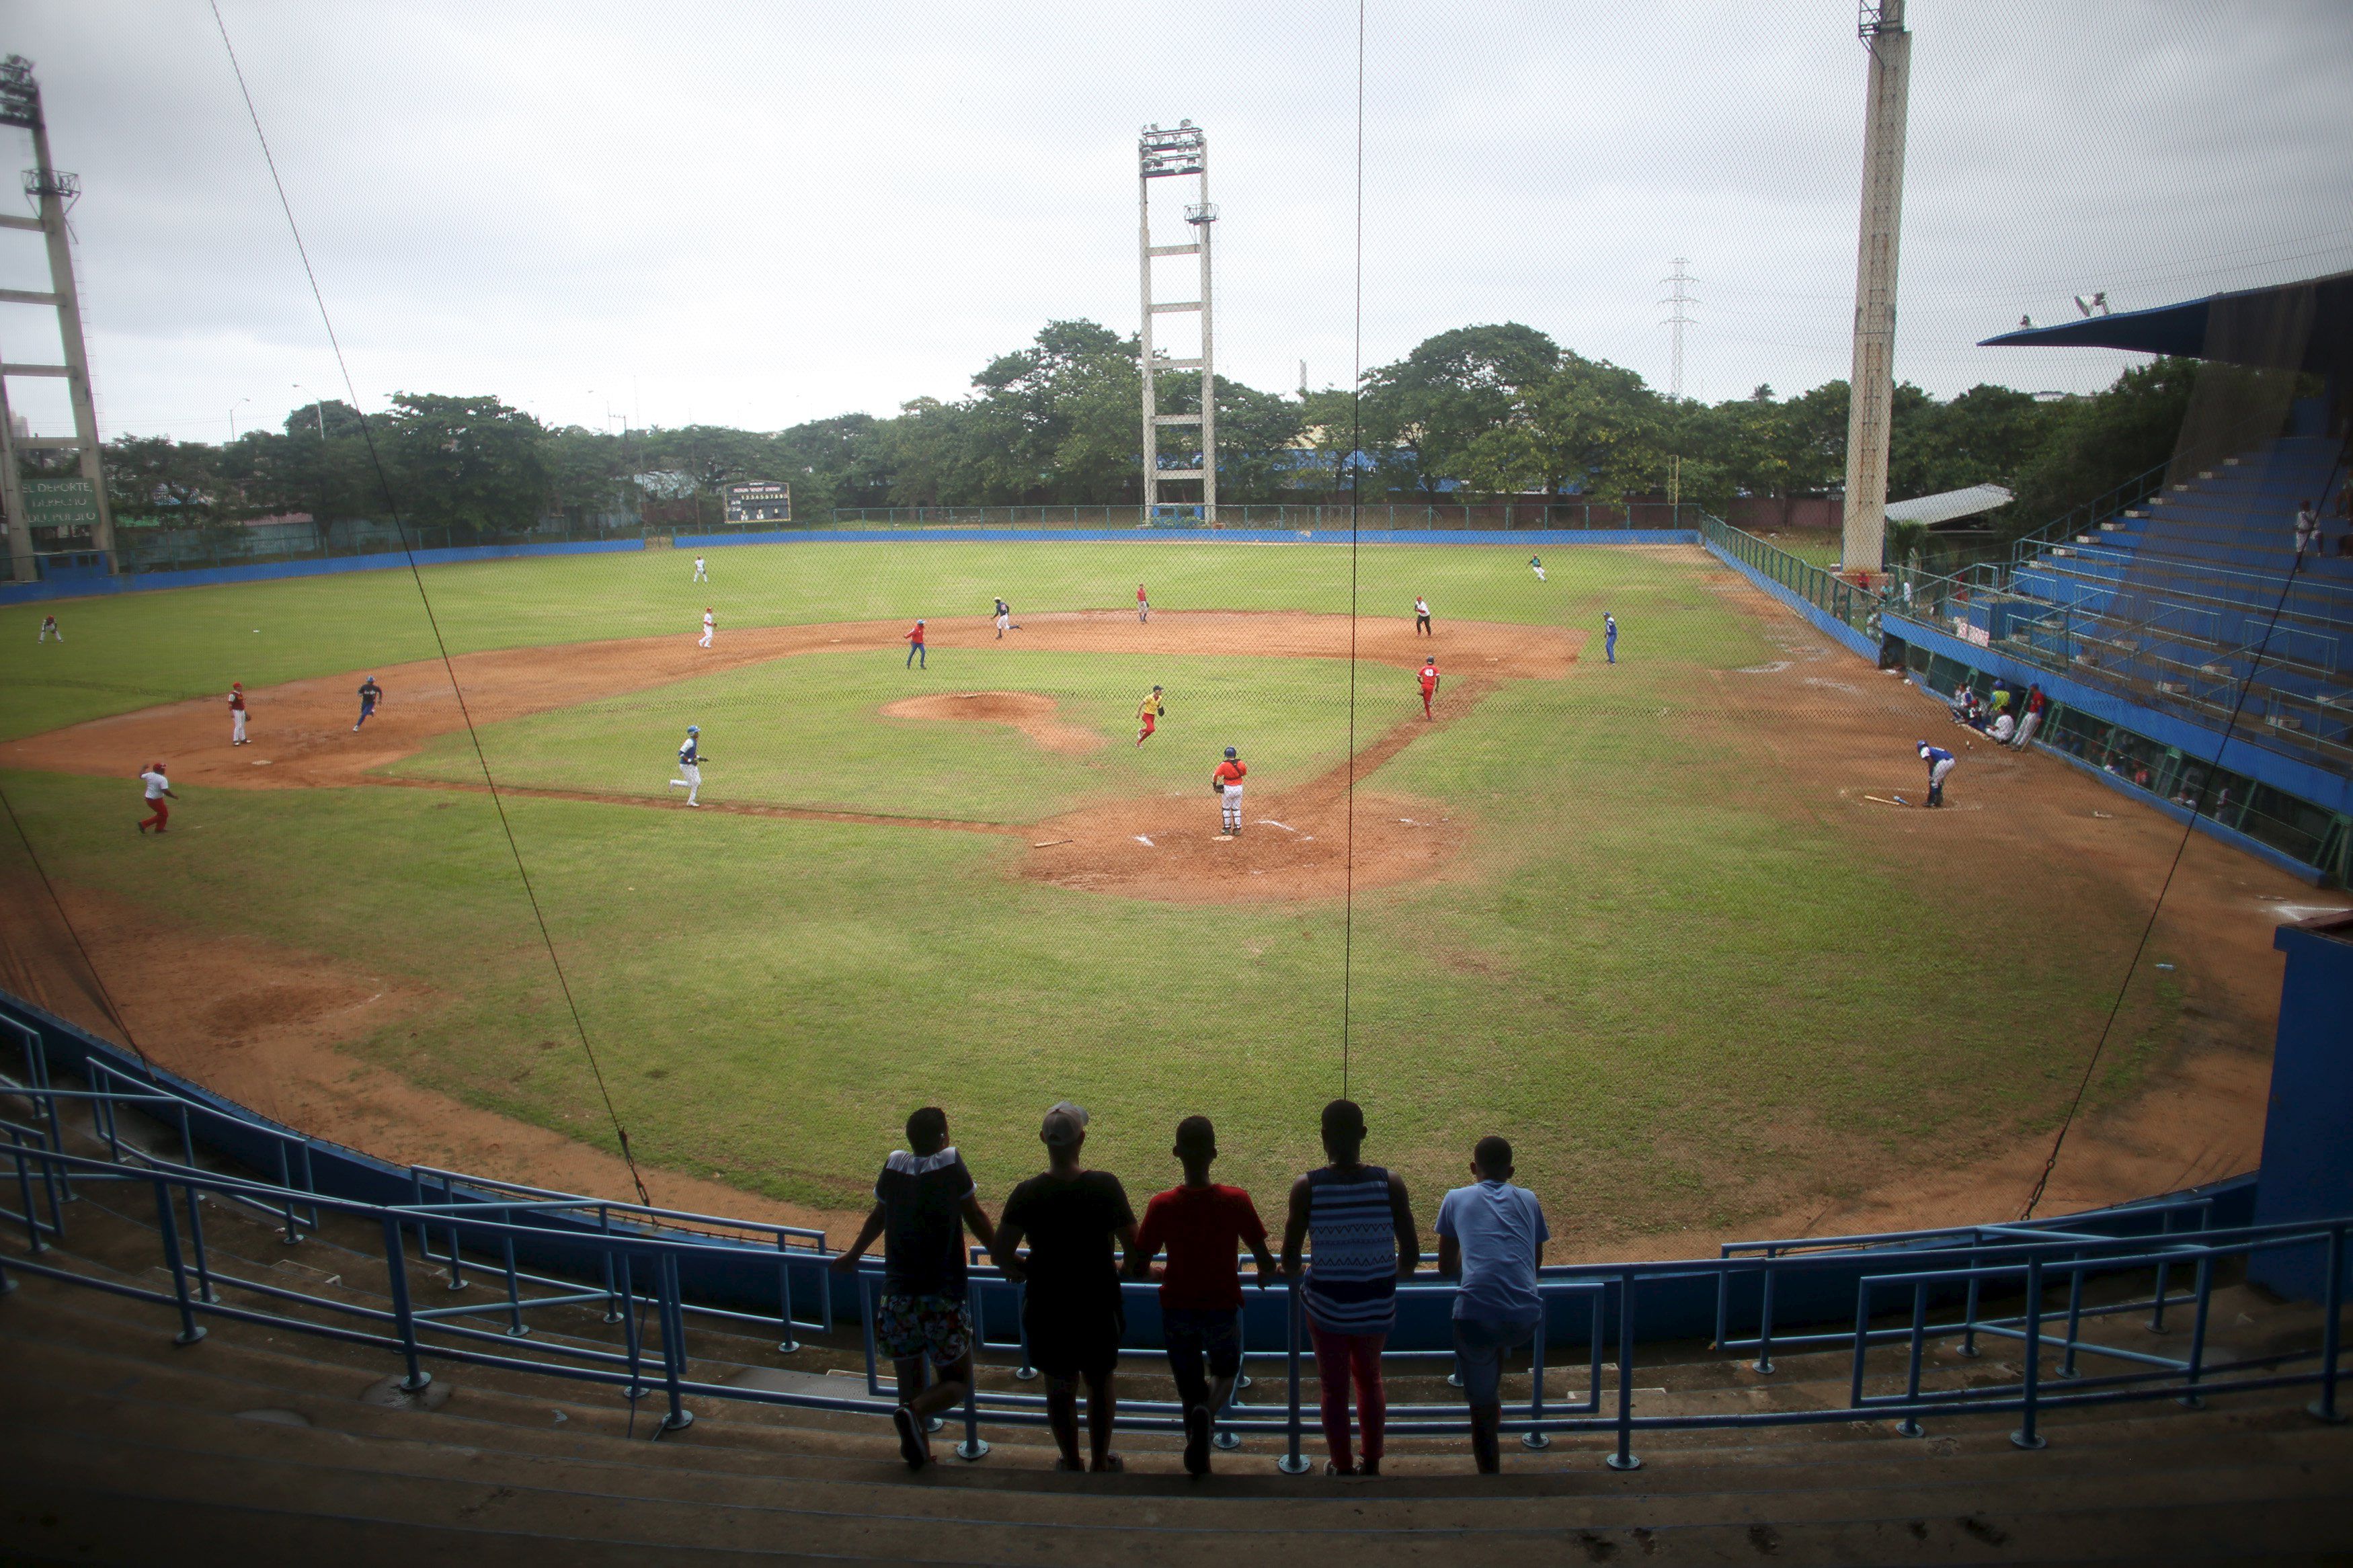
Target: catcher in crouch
[1149, 715]
[1226, 783]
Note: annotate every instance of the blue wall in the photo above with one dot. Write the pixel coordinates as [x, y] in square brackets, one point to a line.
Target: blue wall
[213, 576]
[1830, 625]
[2307, 1153]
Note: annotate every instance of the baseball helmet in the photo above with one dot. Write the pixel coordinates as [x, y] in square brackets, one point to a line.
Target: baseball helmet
[694, 729]
[1923, 745]
[1229, 753]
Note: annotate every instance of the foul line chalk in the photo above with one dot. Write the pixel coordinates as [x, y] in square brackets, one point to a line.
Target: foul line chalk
[1147, 843]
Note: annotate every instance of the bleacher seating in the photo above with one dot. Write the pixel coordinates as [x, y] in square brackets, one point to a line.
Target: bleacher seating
[2172, 600]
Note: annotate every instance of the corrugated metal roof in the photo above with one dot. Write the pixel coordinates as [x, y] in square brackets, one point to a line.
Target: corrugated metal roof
[1949, 505]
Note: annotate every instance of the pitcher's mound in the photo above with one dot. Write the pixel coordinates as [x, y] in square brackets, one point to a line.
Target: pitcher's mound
[1024, 710]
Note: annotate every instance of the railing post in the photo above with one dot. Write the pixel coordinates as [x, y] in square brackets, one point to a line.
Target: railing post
[196, 1245]
[1293, 1462]
[2191, 1398]
[632, 1339]
[516, 1327]
[673, 1344]
[2332, 1298]
[1968, 1345]
[972, 1448]
[1624, 1459]
[2026, 1437]
[2074, 1317]
[788, 1344]
[395, 1267]
[1025, 1372]
[286, 1183]
[1533, 1437]
[1764, 1362]
[190, 1330]
[1910, 1425]
[33, 1242]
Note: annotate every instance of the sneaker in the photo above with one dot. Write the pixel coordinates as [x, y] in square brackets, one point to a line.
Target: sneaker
[913, 1446]
[1196, 1440]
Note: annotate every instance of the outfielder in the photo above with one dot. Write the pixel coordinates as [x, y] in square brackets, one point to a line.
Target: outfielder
[1609, 636]
[1940, 763]
[710, 626]
[1148, 714]
[49, 629]
[690, 765]
[1227, 784]
[236, 713]
[158, 788]
[370, 695]
[1429, 684]
[699, 575]
[1535, 564]
[1421, 617]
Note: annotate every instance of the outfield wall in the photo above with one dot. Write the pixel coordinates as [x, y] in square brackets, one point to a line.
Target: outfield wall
[213, 576]
[1830, 625]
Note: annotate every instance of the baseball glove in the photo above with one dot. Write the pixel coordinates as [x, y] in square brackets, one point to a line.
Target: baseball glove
[1160, 713]
[1217, 789]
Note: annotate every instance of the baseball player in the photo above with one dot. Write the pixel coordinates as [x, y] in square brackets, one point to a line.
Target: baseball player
[1940, 763]
[49, 629]
[710, 626]
[1004, 618]
[1429, 684]
[1148, 714]
[370, 695]
[1227, 784]
[1535, 564]
[158, 788]
[1421, 617]
[690, 765]
[236, 713]
[1609, 636]
[1142, 605]
[701, 575]
[914, 640]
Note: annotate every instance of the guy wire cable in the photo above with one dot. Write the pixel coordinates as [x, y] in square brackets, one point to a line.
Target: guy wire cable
[1356, 488]
[2197, 809]
[384, 483]
[105, 996]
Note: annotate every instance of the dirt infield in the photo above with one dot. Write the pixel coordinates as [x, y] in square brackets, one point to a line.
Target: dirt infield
[1024, 710]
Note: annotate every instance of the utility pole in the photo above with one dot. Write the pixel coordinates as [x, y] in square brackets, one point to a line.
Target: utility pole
[20, 105]
[1676, 304]
[1871, 395]
[1163, 155]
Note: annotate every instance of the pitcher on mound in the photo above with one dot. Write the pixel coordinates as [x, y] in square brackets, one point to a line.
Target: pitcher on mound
[1227, 784]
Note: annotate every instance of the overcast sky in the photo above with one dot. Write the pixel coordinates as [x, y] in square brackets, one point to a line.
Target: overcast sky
[762, 214]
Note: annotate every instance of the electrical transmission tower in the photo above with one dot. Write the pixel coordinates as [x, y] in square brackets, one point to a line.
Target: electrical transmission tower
[1880, 24]
[1166, 155]
[66, 504]
[1675, 304]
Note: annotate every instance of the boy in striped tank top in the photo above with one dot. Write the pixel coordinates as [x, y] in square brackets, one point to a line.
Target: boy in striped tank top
[1358, 1222]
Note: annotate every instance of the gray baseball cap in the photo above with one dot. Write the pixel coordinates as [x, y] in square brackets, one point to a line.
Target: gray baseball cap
[1065, 1124]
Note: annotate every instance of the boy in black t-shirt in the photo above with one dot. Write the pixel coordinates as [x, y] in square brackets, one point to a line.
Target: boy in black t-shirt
[1071, 1311]
[923, 1200]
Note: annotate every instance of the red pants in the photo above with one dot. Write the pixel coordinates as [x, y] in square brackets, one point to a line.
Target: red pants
[163, 815]
[1148, 727]
[1339, 1358]
[1425, 704]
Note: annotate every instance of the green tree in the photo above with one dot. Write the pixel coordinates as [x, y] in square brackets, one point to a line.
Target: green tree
[1424, 414]
[470, 463]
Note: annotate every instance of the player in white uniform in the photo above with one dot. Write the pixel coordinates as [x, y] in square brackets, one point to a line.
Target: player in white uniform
[699, 575]
[49, 629]
[1535, 564]
[1004, 618]
[690, 764]
[710, 624]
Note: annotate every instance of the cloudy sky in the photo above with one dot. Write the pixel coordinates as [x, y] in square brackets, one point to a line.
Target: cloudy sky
[764, 212]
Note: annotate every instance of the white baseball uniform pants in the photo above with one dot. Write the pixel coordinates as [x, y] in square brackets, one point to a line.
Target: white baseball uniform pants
[2026, 728]
[690, 780]
[237, 726]
[1231, 803]
[705, 640]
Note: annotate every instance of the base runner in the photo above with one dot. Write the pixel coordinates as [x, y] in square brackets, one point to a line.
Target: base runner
[1226, 782]
[370, 695]
[1429, 684]
[236, 713]
[1149, 715]
[158, 789]
[690, 765]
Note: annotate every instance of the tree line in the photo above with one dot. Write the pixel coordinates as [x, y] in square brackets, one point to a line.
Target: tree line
[1478, 413]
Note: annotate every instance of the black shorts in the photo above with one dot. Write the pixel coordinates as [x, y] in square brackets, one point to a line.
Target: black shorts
[1072, 1341]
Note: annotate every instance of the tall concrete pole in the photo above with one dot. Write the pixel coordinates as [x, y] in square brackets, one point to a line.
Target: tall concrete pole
[1163, 155]
[1872, 383]
[1143, 337]
[1204, 220]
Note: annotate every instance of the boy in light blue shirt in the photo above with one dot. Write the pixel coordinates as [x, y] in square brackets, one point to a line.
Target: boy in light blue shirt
[1492, 1234]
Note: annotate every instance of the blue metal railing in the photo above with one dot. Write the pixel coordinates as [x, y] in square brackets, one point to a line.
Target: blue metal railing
[639, 1267]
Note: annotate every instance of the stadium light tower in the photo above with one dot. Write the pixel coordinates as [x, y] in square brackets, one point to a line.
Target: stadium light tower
[20, 105]
[1166, 155]
[1871, 396]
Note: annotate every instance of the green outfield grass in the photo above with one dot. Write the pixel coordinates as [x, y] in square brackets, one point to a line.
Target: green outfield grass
[1671, 984]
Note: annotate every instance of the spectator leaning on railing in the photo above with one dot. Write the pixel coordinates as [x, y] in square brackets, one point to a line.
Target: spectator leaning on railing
[923, 1200]
[1072, 1311]
[1493, 1235]
[1361, 1223]
[1202, 1223]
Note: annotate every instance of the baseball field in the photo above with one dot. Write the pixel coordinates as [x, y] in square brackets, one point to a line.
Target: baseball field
[1642, 918]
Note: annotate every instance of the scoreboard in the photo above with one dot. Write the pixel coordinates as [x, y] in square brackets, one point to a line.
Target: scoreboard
[760, 501]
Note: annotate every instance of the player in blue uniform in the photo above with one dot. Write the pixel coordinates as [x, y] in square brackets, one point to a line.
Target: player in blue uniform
[1609, 636]
[690, 765]
[1940, 763]
[370, 695]
[1535, 564]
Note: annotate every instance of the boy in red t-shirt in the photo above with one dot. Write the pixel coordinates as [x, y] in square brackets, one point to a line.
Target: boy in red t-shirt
[1200, 1224]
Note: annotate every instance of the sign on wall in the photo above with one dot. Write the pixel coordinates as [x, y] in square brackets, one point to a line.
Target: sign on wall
[60, 504]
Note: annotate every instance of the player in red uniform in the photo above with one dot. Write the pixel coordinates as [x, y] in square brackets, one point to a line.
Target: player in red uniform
[1228, 783]
[1429, 684]
[914, 641]
[236, 713]
[1142, 606]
